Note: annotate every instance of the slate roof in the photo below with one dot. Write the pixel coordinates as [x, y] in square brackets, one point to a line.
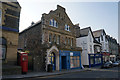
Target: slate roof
[97, 33]
[31, 26]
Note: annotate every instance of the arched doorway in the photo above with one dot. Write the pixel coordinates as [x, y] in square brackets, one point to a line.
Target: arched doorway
[52, 60]
[53, 57]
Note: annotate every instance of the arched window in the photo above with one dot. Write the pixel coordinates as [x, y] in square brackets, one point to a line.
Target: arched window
[3, 46]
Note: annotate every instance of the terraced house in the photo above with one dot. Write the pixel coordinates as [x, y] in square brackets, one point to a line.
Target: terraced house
[52, 40]
[113, 48]
[9, 28]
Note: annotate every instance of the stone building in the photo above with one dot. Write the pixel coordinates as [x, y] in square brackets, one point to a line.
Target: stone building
[9, 28]
[52, 40]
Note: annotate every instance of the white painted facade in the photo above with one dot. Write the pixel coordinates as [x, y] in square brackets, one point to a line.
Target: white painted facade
[104, 42]
[87, 44]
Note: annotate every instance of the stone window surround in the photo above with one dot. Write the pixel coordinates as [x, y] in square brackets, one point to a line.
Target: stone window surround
[67, 27]
[66, 39]
[53, 23]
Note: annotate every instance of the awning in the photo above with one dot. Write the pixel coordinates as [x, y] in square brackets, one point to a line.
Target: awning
[106, 54]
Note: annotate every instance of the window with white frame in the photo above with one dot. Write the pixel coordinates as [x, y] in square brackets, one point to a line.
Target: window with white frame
[67, 27]
[0, 16]
[53, 23]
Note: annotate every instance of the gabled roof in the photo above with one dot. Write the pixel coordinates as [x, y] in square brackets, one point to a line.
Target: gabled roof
[98, 33]
[33, 25]
[85, 31]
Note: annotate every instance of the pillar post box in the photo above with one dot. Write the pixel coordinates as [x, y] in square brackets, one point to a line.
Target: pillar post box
[24, 62]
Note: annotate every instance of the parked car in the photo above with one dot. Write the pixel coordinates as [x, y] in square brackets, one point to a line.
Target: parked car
[118, 62]
[107, 65]
[115, 63]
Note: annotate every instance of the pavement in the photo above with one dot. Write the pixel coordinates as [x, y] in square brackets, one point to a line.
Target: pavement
[43, 74]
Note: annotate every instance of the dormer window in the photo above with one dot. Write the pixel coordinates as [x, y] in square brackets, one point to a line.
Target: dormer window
[67, 27]
[53, 23]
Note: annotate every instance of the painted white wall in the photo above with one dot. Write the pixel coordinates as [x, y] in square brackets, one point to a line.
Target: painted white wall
[85, 43]
[105, 47]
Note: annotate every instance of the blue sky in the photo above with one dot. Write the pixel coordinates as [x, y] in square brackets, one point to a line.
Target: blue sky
[98, 15]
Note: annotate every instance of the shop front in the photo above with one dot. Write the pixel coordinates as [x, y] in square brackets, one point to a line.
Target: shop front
[106, 56]
[95, 59]
[112, 57]
[69, 59]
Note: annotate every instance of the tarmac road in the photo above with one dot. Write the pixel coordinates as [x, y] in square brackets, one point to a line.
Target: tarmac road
[101, 73]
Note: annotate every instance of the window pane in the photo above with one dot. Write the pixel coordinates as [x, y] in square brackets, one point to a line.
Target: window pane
[78, 63]
[92, 61]
[50, 59]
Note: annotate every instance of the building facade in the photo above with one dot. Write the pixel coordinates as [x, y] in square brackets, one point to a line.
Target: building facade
[9, 30]
[9, 26]
[100, 36]
[52, 41]
[89, 47]
[113, 48]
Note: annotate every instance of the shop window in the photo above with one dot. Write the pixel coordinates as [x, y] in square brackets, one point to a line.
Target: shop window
[0, 16]
[92, 61]
[74, 61]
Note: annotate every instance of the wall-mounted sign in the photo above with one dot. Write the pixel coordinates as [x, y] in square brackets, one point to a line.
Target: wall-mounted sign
[71, 53]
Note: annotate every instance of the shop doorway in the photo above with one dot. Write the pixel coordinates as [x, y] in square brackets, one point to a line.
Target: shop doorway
[64, 62]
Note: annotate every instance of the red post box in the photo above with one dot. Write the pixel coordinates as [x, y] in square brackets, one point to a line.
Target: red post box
[24, 62]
